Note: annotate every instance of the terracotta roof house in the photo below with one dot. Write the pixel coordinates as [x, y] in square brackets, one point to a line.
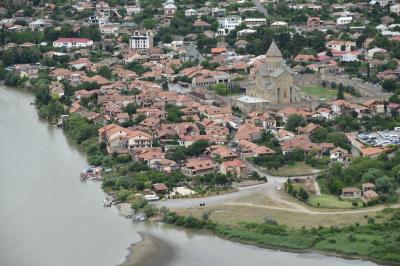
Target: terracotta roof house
[199, 167]
[235, 168]
[248, 132]
[288, 111]
[164, 165]
[147, 154]
[367, 186]
[351, 192]
[250, 149]
[138, 139]
[222, 152]
[308, 129]
[373, 151]
[304, 143]
[339, 155]
[160, 188]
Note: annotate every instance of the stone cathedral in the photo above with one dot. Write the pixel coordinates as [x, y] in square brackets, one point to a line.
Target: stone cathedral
[274, 80]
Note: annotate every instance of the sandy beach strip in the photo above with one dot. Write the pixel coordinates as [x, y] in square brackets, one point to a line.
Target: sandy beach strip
[150, 251]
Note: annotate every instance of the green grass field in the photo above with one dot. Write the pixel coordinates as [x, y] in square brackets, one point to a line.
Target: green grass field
[329, 201]
[298, 168]
[319, 92]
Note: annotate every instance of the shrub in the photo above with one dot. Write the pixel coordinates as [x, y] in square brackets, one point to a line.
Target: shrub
[270, 221]
[150, 210]
[138, 203]
[123, 195]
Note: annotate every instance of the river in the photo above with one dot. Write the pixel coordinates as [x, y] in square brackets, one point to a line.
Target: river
[49, 217]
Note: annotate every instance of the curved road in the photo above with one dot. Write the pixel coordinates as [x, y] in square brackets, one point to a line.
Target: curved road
[268, 189]
[214, 200]
[260, 7]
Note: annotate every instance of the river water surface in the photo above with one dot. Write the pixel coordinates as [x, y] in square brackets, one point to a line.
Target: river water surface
[48, 217]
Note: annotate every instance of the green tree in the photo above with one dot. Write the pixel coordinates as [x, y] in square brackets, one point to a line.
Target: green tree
[303, 194]
[220, 89]
[105, 72]
[149, 23]
[130, 108]
[8, 57]
[295, 121]
[389, 84]
[340, 94]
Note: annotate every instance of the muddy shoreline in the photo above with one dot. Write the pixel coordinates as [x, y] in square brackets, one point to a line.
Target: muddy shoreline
[150, 251]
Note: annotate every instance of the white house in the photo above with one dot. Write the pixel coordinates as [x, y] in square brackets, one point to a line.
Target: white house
[381, 27]
[190, 12]
[246, 32]
[255, 22]
[39, 24]
[381, 3]
[373, 51]
[339, 155]
[395, 9]
[345, 56]
[169, 11]
[109, 29]
[139, 139]
[230, 22]
[133, 10]
[141, 40]
[344, 20]
[338, 45]
[279, 24]
[72, 43]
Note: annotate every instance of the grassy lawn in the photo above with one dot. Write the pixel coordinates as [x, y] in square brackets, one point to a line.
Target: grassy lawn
[298, 168]
[232, 215]
[328, 201]
[319, 92]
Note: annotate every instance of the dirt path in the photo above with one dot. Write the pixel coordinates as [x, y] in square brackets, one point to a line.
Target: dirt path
[301, 209]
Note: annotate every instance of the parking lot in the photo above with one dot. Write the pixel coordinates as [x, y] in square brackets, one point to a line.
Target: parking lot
[380, 138]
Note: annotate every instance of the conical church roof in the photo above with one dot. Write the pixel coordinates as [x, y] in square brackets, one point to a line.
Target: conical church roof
[273, 50]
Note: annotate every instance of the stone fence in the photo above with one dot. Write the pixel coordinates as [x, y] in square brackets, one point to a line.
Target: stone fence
[363, 88]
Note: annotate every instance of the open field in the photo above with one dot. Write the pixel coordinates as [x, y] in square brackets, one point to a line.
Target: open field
[329, 201]
[320, 92]
[298, 168]
[232, 215]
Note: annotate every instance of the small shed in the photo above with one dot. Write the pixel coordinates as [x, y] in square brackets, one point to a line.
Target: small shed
[160, 188]
[351, 192]
[367, 186]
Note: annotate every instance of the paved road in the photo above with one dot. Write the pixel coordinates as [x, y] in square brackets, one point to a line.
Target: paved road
[215, 200]
[260, 7]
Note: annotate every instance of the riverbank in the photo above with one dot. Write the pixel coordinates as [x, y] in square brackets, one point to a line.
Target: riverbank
[373, 241]
[150, 251]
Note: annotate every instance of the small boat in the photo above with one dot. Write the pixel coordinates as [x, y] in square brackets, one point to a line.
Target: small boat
[140, 218]
[92, 173]
[107, 202]
[60, 122]
[151, 197]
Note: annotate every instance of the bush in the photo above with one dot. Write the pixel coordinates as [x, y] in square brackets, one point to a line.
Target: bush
[303, 194]
[270, 221]
[150, 210]
[123, 195]
[138, 203]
